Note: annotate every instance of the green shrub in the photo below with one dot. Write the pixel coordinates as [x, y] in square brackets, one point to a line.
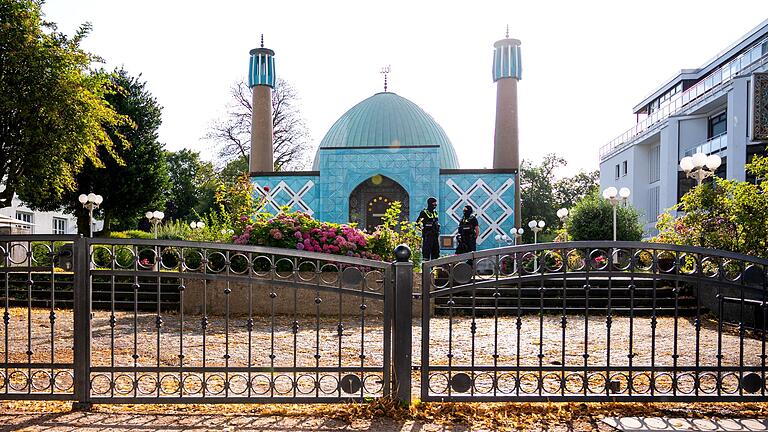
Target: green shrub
[592, 219]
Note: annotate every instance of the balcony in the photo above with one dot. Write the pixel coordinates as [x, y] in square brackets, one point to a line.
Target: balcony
[745, 63]
[710, 146]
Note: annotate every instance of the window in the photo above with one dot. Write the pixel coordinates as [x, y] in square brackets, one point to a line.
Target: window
[655, 165]
[624, 168]
[26, 217]
[718, 124]
[59, 226]
[617, 175]
[653, 204]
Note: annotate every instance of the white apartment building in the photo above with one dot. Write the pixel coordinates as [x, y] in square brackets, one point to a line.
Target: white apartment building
[720, 108]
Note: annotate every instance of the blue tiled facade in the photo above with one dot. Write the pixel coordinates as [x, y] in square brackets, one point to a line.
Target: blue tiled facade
[417, 170]
[490, 194]
[325, 196]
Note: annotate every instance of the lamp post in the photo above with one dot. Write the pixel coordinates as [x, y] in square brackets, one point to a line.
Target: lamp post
[563, 215]
[615, 197]
[91, 202]
[516, 234]
[155, 218]
[700, 166]
[536, 226]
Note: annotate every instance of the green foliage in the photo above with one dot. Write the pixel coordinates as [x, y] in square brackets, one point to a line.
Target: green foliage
[191, 187]
[542, 193]
[393, 232]
[236, 201]
[134, 178]
[592, 219]
[725, 214]
[54, 113]
[233, 170]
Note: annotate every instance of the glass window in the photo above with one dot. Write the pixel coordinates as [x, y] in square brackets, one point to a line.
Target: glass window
[59, 226]
[617, 172]
[718, 125]
[765, 48]
[624, 168]
[26, 217]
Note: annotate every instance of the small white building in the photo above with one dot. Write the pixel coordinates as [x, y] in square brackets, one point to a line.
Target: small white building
[719, 108]
[39, 222]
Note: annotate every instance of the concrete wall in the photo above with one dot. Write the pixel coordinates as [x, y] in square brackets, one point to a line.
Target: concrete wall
[261, 303]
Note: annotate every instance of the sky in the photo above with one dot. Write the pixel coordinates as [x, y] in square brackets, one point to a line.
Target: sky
[585, 63]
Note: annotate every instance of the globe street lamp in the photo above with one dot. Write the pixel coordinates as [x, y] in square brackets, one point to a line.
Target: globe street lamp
[536, 226]
[517, 233]
[196, 225]
[700, 166]
[155, 218]
[90, 202]
[615, 197]
[563, 215]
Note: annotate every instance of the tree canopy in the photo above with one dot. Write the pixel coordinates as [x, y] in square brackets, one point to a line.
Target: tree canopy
[542, 193]
[191, 187]
[54, 116]
[134, 177]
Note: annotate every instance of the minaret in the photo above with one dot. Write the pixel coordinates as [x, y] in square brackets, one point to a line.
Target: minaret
[507, 71]
[261, 79]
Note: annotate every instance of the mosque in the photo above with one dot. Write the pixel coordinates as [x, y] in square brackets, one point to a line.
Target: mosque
[385, 149]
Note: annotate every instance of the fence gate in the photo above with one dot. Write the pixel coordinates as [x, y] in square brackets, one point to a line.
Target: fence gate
[201, 322]
[594, 321]
[134, 321]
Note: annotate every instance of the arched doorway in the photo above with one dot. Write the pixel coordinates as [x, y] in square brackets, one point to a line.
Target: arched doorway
[370, 200]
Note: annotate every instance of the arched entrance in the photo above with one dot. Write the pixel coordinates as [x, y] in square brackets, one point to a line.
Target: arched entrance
[370, 200]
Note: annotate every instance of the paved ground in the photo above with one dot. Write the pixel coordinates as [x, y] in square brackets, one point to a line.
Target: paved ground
[648, 424]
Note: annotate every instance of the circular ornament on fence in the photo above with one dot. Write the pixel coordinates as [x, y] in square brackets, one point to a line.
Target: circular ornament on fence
[462, 273]
[751, 382]
[351, 276]
[461, 382]
[350, 384]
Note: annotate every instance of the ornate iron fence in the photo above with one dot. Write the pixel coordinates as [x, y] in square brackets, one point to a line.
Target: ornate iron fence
[169, 321]
[135, 321]
[594, 321]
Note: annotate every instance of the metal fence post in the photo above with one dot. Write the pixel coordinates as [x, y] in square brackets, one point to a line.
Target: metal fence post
[403, 324]
[82, 326]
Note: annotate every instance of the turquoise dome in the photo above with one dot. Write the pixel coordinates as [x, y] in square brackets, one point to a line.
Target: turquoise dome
[388, 120]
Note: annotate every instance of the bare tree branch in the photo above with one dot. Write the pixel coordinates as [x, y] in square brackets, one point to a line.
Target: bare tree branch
[290, 141]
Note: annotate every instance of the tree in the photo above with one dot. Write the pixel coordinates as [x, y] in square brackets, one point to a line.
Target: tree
[724, 214]
[191, 187]
[290, 135]
[592, 219]
[233, 170]
[54, 117]
[542, 194]
[134, 178]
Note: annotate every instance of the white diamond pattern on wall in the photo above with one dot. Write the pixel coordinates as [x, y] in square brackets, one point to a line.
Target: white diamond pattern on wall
[283, 195]
[490, 209]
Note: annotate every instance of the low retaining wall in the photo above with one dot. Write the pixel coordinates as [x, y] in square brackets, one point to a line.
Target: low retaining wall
[300, 297]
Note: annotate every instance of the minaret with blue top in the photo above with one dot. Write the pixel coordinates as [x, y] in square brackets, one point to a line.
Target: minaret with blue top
[507, 71]
[261, 80]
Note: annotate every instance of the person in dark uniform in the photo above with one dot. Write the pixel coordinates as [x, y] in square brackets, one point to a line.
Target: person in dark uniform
[430, 231]
[469, 230]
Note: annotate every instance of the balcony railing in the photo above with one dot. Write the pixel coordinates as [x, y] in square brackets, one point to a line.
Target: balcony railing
[746, 62]
[710, 146]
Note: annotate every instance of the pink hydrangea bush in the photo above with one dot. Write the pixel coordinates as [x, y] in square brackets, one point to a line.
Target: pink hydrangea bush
[300, 231]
